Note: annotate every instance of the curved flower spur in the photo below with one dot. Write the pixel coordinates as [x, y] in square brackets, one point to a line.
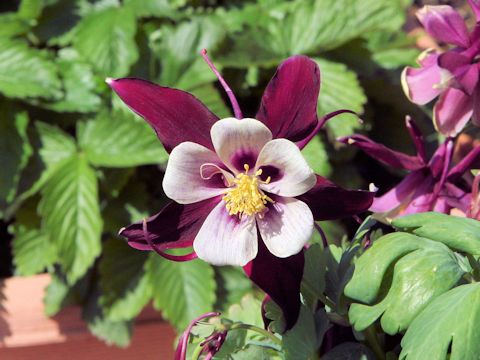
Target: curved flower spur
[242, 192]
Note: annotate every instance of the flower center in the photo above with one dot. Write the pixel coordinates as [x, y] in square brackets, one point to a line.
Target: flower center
[246, 197]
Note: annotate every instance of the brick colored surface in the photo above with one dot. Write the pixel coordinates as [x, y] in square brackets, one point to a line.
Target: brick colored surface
[27, 334]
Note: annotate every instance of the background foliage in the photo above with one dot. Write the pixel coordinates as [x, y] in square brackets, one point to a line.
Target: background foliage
[76, 165]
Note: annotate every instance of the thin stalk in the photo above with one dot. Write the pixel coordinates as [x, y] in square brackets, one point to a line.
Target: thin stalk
[228, 90]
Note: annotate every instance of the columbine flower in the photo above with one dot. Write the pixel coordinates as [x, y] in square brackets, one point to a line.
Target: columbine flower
[430, 186]
[453, 75]
[241, 189]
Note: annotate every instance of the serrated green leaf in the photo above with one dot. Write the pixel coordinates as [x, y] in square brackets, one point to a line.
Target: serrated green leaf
[317, 157]
[56, 145]
[182, 291]
[448, 324]
[340, 90]
[121, 140]
[117, 333]
[26, 72]
[78, 85]
[398, 277]
[12, 25]
[15, 150]
[71, 216]
[56, 296]
[157, 8]
[125, 288]
[232, 285]
[32, 251]
[178, 49]
[458, 233]
[105, 38]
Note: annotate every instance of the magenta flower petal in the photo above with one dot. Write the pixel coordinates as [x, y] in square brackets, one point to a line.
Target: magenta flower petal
[423, 198]
[383, 154]
[175, 226]
[175, 115]
[289, 104]
[417, 138]
[279, 278]
[459, 65]
[328, 201]
[452, 112]
[465, 164]
[475, 5]
[445, 24]
[419, 84]
[400, 195]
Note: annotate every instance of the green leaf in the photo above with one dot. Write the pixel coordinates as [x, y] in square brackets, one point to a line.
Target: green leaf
[15, 150]
[71, 215]
[106, 39]
[317, 157]
[178, 49]
[311, 26]
[26, 72]
[398, 277]
[458, 233]
[32, 251]
[125, 288]
[182, 291]
[56, 144]
[340, 90]
[13, 25]
[313, 282]
[78, 85]
[157, 8]
[117, 333]
[232, 285]
[301, 342]
[350, 351]
[211, 98]
[56, 296]
[121, 140]
[448, 324]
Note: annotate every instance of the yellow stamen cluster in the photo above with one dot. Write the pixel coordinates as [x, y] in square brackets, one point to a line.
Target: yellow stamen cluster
[246, 198]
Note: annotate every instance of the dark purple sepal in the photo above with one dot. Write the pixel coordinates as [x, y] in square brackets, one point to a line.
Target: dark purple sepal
[175, 226]
[417, 138]
[175, 115]
[328, 201]
[321, 122]
[383, 154]
[279, 278]
[465, 164]
[289, 103]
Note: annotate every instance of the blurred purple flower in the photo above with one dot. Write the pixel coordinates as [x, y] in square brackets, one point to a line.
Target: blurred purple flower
[212, 164]
[432, 185]
[452, 75]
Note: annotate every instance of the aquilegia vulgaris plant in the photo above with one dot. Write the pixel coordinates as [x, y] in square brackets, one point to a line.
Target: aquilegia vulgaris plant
[242, 194]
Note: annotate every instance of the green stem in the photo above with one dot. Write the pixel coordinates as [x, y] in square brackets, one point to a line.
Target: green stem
[372, 341]
[197, 352]
[261, 331]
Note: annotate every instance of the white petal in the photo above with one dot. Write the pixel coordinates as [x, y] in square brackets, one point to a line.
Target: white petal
[225, 239]
[238, 142]
[295, 176]
[286, 227]
[183, 181]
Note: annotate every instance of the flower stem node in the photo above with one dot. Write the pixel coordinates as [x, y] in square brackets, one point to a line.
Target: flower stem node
[246, 198]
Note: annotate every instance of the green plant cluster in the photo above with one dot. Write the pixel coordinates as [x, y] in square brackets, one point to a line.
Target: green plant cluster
[76, 165]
